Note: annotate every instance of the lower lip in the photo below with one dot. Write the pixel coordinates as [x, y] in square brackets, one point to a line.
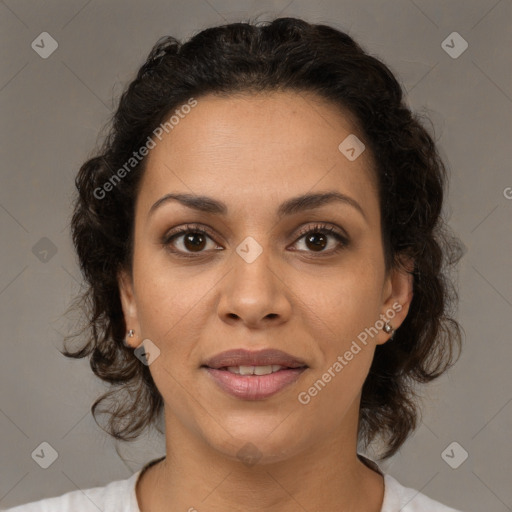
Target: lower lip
[254, 387]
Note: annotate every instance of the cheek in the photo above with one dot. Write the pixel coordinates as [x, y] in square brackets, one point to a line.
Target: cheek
[347, 352]
[340, 312]
[166, 293]
[346, 299]
[171, 306]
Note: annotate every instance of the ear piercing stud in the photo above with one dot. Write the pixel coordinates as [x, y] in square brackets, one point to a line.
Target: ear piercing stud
[388, 328]
[130, 334]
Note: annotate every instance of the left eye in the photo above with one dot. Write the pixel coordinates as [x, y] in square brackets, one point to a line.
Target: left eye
[318, 236]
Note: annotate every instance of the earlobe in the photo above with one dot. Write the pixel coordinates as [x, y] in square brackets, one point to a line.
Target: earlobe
[129, 306]
[399, 296]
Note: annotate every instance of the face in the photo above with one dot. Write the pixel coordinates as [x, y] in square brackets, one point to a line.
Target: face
[255, 280]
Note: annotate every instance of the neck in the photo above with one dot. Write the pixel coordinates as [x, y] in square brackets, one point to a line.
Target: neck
[195, 477]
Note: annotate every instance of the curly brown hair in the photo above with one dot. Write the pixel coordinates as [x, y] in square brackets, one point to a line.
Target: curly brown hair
[284, 54]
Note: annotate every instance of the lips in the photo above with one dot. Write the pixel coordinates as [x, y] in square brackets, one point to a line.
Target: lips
[242, 357]
[254, 387]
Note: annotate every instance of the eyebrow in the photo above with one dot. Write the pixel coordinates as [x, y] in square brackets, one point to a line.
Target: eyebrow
[289, 207]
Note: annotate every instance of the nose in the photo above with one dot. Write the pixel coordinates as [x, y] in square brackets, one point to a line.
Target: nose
[255, 294]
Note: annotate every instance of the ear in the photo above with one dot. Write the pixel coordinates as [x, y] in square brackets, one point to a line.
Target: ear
[129, 305]
[396, 298]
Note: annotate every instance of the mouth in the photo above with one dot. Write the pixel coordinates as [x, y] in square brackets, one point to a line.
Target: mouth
[255, 370]
[254, 375]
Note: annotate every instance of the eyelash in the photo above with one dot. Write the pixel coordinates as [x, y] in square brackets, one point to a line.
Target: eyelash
[325, 229]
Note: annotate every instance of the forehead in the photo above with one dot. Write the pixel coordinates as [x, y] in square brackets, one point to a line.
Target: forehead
[256, 148]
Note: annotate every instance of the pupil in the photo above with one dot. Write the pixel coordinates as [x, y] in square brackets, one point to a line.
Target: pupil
[189, 239]
[311, 238]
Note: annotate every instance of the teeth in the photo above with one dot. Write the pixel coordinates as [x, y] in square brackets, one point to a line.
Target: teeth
[254, 370]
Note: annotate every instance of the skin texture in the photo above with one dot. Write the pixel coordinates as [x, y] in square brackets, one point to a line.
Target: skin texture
[253, 152]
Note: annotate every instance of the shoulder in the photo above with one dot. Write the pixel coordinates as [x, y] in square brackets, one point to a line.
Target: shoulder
[117, 496]
[406, 499]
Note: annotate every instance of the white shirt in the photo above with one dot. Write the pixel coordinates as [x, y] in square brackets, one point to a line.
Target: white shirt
[120, 496]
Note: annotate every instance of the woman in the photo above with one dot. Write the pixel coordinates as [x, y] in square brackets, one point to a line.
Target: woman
[262, 238]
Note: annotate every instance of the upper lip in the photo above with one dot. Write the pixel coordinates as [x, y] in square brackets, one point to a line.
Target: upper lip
[243, 357]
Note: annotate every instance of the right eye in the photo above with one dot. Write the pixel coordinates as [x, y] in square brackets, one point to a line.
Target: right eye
[193, 240]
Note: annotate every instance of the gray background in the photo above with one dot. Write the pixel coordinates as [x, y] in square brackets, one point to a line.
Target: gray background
[52, 111]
